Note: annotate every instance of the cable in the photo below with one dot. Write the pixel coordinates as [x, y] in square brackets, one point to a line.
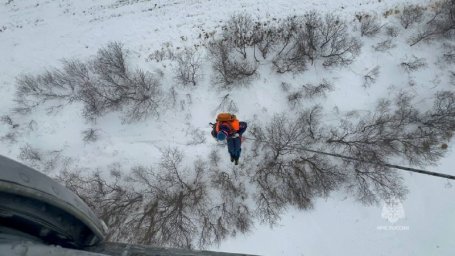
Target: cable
[404, 168]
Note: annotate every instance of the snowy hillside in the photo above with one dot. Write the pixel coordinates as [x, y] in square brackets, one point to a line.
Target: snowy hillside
[361, 100]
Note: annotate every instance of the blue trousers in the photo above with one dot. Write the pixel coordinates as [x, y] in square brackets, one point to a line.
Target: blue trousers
[234, 147]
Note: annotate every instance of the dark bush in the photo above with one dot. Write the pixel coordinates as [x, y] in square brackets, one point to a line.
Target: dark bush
[306, 39]
[411, 14]
[320, 90]
[369, 25]
[370, 77]
[413, 64]
[384, 45]
[228, 69]
[104, 84]
[239, 31]
[90, 135]
[441, 23]
[188, 66]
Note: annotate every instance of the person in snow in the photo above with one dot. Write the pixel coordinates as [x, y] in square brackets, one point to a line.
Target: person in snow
[228, 127]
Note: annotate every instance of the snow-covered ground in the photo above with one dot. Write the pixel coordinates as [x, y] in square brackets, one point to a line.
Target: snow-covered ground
[36, 35]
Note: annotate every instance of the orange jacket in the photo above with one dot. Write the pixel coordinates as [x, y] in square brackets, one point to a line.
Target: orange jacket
[233, 126]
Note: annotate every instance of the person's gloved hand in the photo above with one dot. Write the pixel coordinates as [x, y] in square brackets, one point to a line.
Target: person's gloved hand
[235, 135]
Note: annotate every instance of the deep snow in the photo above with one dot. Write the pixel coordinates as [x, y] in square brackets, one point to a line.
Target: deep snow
[36, 35]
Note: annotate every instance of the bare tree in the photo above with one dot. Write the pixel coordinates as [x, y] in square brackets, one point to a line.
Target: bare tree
[411, 14]
[227, 104]
[30, 155]
[231, 213]
[116, 87]
[369, 25]
[413, 64]
[295, 98]
[196, 136]
[320, 90]
[449, 54]
[312, 37]
[45, 161]
[227, 69]
[286, 174]
[6, 119]
[52, 86]
[267, 38]
[441, 23]
[176, 200]
[384, 45]
[90, 135]
[189, 65]
[239, 30]
[337, 46]
[110, 197]
[441, 119]
[383, 133]
[370, 77]
[104, 84]
[391, 31]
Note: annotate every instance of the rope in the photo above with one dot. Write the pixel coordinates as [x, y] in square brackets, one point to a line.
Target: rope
[349, 158]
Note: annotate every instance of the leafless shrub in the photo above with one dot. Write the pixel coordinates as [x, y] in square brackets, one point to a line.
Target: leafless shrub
[196, 135]
[239, 30]
[385, 133]
[227, 69]
[10, 137]
[138, 92]
[55, 86]
[32, 125]
[44, 161]
[176, 200]
[449, 54]
[370, 183]
[169, 206]
[165, 53]
[188, 69]
[452, 77]
[6, 119]
[384, 45]
[305, 39]
[369, 25]
[320, 90]
[285, 86]
[411, 14]
[391, 31]
[441, 119]
[295, 98]
[337, 46]
[267, 38]
[30, 155]
[441, 23]
[110, 197]
[90, 135]
[297, 43]
[227, 104]
[286, 174]
[105, 84]
[413, 64]
[231, 213]
[370, 77]
[375, 139]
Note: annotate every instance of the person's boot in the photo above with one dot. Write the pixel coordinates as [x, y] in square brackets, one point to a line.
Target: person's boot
[236, 161]
[232, 159]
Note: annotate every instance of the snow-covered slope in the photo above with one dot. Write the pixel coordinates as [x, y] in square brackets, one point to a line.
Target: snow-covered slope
[36, 35]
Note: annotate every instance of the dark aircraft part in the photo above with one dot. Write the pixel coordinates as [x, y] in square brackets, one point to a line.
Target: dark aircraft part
[35, 204]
